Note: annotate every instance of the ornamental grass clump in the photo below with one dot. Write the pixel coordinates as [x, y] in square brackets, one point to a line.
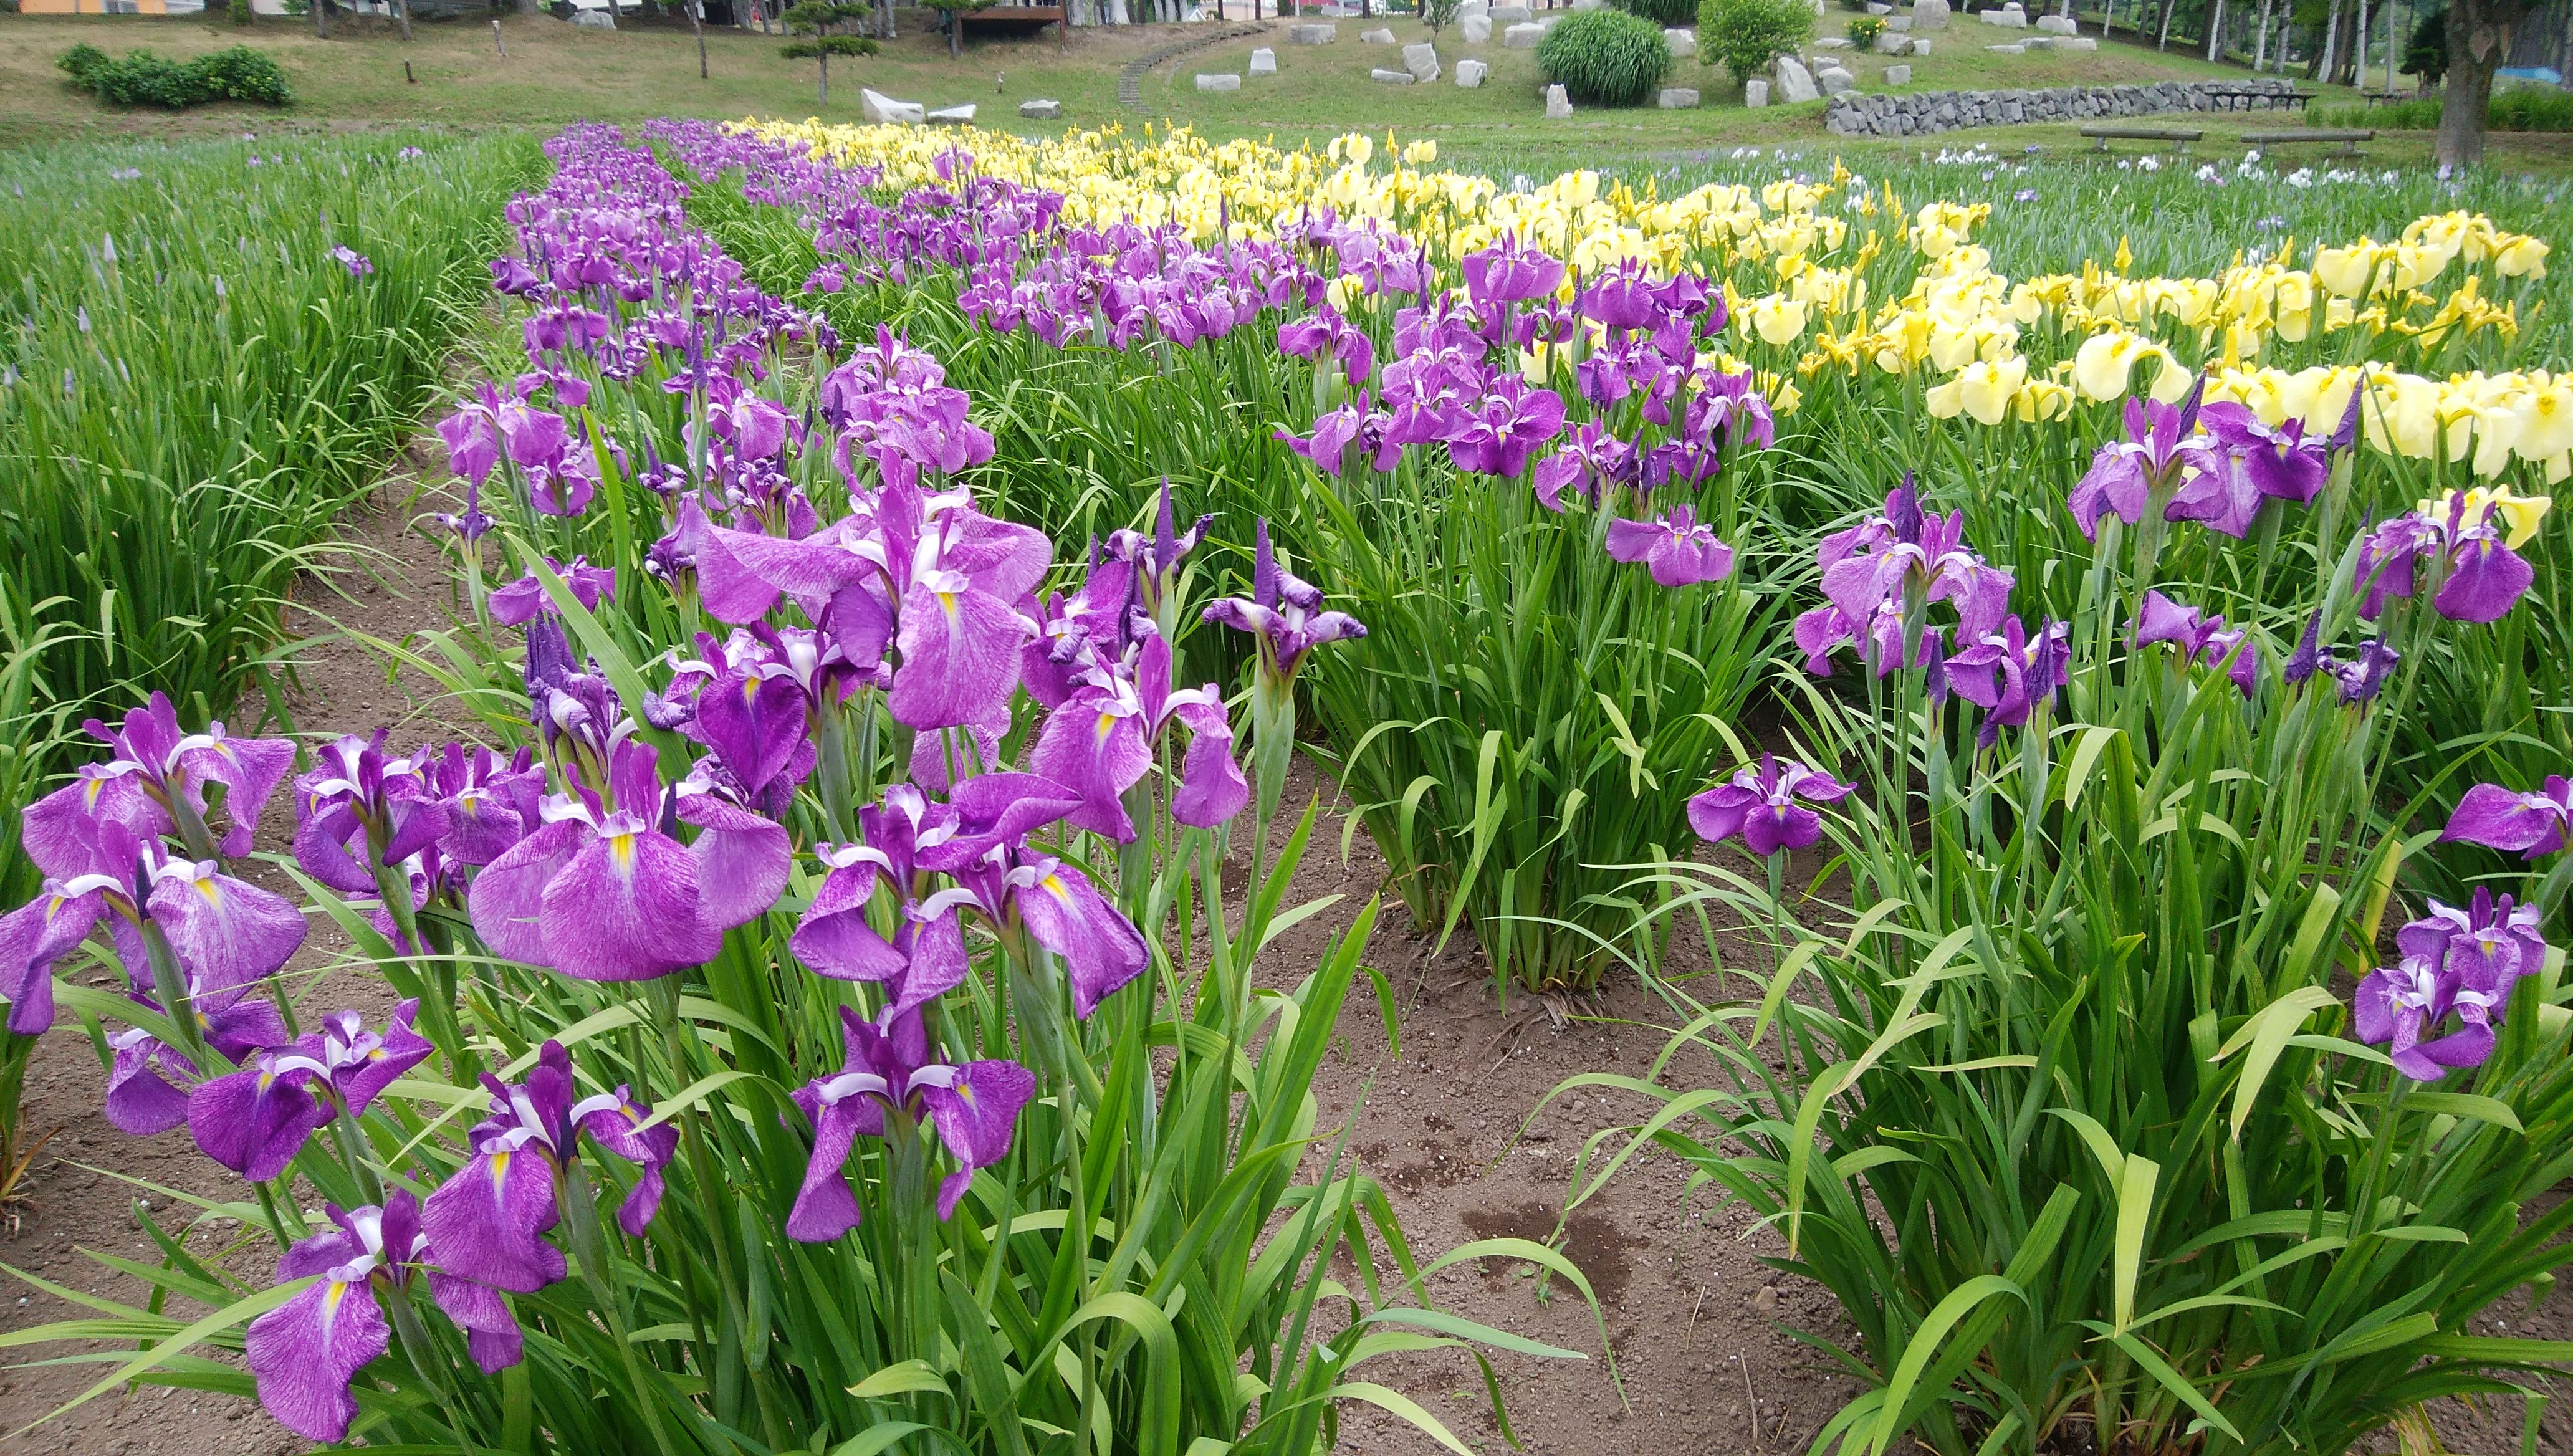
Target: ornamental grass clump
[824, 1017]
[1605, 57]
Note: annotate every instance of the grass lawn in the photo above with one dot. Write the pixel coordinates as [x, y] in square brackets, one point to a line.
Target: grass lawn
[556, 73]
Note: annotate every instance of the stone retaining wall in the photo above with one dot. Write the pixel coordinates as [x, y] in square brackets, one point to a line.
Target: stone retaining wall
[1920, 113]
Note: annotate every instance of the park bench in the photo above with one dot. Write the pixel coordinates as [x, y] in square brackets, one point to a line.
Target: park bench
[2178, 137]
[2245, 98]
[2349, 137]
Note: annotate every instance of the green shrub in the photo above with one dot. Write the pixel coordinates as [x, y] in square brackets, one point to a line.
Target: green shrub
[1604, 57]
[243, 74]
[2522, 110]
[82, 62]
[1661, 12]
[1438, 14]
[144, 79]
[1864, 31]
[1746, 35]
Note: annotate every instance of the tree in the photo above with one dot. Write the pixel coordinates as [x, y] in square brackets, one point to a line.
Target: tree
[2478, 42]
[2425, 50]
[1438, 15]
[819, 21]
[1747, 35]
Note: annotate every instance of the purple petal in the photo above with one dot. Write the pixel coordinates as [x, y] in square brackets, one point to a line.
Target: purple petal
[227, 933]
[254, 1122]
[492, 1333]
[626, 909]
[486, 1222]
[306, 1350]
[742, 861]
[1100, 949]
[960, 658]
[507, 897]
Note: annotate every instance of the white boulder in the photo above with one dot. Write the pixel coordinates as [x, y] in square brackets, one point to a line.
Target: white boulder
[1755, 92]
[1422, 60]
[953, 116]
[1478, 29]
[1506, 16]
[1795, 82]
[1835, 80]
[1558, 106]
[1929, 15]
[1897, 75]
[1376, 37]
[1321, 34]
[1224, 81]
[885, 111]
[1470, 73]
[1919, 46]
[1677, 97]
[1390, 78]
[1263, 61]
[1522, 37]
[1041, 109]
[2075, 43]
[2058, 25]
[1890, 43]
[1681, 42]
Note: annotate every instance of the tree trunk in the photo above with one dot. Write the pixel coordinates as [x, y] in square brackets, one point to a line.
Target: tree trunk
[697, 23]
[320, 19]
[2166, 20]
[2261, 42]
[2323, 67]
[2358, 49]
[955, 33]
[2478, 41]
[823, 97]
[402, 12]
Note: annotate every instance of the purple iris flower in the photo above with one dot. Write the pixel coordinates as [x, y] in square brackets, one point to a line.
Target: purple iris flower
[2532, 825]
[1285, 612]
[2199, 637]
[1100, 742]
[1357, 425]
[1877, 571]
[2478, 578]
[156, 784]
[305, 1352]
[2455, 961]
[357, 264]
[256, 1119]
[492, 425]
[1622, 297]
[1498, 433]
[2008, 674]
[2126, 477]
[604, 891]
[1510, 272]
[1767, 805]
[513, 605]
[1679, 550]
[2280, 461]
[973, 1107]
[488, 1220]
[1326, 337]
[1156, 559]
[147, 1082]
[1592, 462]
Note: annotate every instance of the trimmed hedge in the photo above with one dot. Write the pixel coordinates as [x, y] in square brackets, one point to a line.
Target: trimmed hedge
[1605, 57]
[144, 79]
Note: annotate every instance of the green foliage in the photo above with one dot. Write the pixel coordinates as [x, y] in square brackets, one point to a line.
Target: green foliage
[2519, 109]
[82, 62]
[2425, 50]
[144, 79]
[238, 11]
[829, 45]
[209, 399]
[1438, 14]
[1748, 34]
[1604, 57]
[1661, 12]
[820, 17]
[1864, 31]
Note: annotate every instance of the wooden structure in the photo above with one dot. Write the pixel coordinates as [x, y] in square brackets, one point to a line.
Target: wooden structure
[2178, 137]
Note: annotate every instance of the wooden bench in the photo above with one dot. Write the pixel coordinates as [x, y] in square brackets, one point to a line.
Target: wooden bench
[2178, 137]
[2349, 138]
[2253, 99]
